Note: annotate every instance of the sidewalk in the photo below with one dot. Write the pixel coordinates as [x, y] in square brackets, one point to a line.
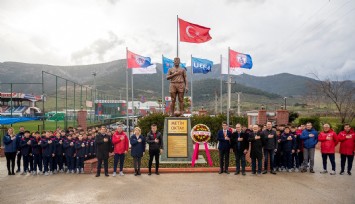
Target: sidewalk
[180, 188]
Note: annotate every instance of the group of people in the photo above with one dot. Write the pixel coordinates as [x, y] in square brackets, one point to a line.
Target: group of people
[289, 148]
[60, 151]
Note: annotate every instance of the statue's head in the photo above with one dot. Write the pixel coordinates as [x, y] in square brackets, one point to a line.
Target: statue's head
[176, 61]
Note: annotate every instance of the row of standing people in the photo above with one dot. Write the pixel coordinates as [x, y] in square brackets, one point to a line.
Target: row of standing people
[288, 148]
[62, 151]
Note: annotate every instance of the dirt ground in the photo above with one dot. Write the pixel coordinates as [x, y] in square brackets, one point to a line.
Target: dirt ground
[180, 188]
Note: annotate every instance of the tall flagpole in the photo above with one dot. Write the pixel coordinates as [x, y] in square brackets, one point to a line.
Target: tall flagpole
[132, 100]
[177, 35]
[221, 91]
[162, 85]
[192, 73]
[229, 89]
[127, 119]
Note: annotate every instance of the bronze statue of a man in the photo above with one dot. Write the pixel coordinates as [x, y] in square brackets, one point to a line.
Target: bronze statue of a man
[178, 86]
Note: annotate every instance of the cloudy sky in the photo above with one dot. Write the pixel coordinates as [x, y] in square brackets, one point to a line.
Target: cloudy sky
[295, 36]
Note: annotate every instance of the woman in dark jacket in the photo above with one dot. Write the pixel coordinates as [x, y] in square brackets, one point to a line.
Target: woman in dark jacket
[137, 150]
[10, 143]
[103, 148]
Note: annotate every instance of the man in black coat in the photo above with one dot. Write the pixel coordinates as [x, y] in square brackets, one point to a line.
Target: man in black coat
[270, 147]
[240, 145]
[223, 137]
[103, 148]
[155, 141]
[256, 150]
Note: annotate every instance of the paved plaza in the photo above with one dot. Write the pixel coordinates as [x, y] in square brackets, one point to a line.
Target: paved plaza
[179, 188]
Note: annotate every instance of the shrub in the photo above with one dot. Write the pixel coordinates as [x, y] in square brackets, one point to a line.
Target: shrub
[315, 120]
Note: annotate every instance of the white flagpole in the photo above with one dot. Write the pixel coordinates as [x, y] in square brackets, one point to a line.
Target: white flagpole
[221, 91]
[192, 73]
[127, 119]
[177, 35]
[229, 88]
[132, 99]
[162, 85]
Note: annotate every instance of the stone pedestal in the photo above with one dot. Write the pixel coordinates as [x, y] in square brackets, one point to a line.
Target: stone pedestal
[177, 139]
[81, 119]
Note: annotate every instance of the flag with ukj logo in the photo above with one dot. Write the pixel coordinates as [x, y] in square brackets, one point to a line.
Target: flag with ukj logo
[237, 59]
[137, 61]
[201, 65]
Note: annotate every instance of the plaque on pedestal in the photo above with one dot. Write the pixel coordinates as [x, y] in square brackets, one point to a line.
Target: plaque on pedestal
[178, 143]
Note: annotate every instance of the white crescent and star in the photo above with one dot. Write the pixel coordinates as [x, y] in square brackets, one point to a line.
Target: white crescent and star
[191, 35]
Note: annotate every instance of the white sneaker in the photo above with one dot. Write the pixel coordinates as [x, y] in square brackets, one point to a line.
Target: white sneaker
[61, 171]
[40, 173]
[46, 174]
[289, 170]
[332, 173]
[82, 170]
[121, 173]
[297, 170]
[34, 173]
[55, 172]
[72, 171]
[324, 172]
[50, 173]
[114, 174]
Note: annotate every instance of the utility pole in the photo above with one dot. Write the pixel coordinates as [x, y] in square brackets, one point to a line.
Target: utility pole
[239, 102]
[94, 74]
[216, 103]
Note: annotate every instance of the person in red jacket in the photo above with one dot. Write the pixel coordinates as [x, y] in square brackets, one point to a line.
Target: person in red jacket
[329, 140]
[120, 142]
[347, 148]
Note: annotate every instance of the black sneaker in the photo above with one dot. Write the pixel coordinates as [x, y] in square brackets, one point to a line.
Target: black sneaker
[273, 172]
[341, 173]
[97, 175]
[107, 175]
[157, 173]
[18, 170]
[9, 173]
[243, 173]
[220, 172]
[236, 173]
[349, 173]
[311, 171]
[150, 173]
[265, 172]
[227, 172]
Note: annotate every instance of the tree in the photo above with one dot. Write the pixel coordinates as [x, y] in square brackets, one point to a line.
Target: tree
[340, 93]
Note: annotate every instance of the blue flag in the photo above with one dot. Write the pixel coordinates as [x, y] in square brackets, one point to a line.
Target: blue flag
[169, 63]
[201, 65]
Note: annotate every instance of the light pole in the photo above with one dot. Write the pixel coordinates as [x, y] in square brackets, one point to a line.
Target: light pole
[285, 98]
[94, 99]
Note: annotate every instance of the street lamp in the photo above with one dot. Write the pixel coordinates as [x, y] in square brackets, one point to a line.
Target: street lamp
[285, 98]
[94, 99]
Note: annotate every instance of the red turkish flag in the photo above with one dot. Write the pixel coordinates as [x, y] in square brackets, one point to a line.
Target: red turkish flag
[193, 33]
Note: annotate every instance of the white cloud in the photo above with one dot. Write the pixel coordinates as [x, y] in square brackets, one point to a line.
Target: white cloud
[281, 36]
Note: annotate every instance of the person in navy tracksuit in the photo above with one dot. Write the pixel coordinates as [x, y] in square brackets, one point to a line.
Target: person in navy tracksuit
[69, 149]
[224, 145]
[48, 153]
[37, 154]
[80, 147]
[25, 145]
[59, 153]
[288, 141]
[19, 137]
[91, 147]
